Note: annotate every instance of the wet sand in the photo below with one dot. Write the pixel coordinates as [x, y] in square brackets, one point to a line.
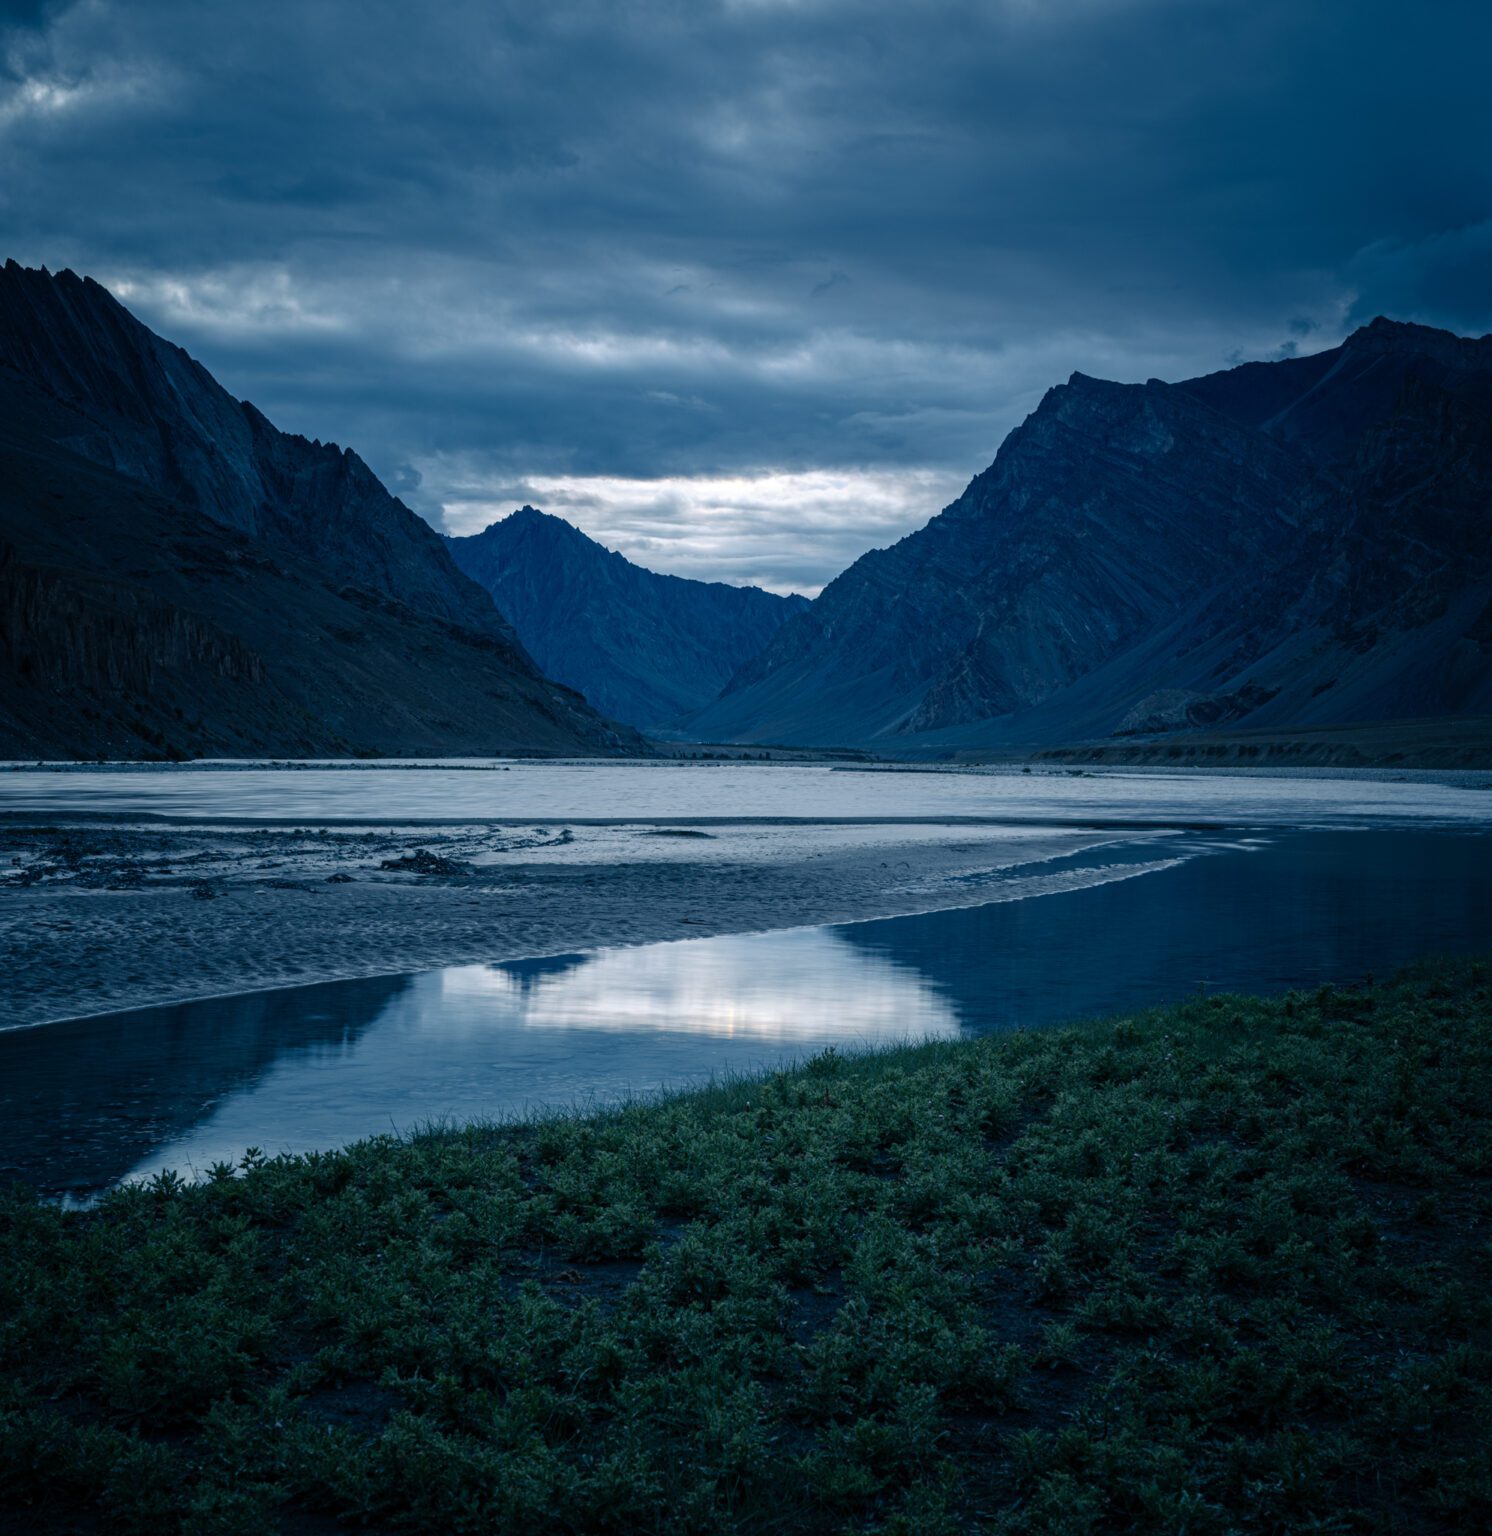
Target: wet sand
[97, 915]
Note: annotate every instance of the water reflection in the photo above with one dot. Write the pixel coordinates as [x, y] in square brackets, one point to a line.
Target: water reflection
[90, 1102]
[475, 1041]
[81, 1103]
[796, 987]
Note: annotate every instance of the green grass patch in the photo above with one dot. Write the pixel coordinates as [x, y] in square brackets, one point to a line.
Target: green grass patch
[1223, 1267]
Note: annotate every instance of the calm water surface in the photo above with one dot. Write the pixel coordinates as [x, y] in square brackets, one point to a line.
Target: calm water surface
[83, 1105]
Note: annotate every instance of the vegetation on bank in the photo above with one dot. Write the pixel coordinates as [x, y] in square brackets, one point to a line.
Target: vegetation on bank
[1223, 1267]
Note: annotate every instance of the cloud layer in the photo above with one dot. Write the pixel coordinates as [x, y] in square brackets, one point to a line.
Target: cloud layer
[742, 288]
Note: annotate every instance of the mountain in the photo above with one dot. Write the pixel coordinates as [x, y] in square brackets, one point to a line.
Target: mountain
[641, 646]
[1296, 543]
[177, 577]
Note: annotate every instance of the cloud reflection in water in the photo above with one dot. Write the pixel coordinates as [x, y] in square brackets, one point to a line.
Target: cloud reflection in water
[799, 986]
[487, 1041]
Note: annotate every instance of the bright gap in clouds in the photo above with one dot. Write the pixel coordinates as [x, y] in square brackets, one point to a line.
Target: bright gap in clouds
[785, 531]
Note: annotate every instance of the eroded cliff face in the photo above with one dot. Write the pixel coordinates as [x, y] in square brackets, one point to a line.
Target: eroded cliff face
[643, 647]
[131, 627]
[1301, 542]
[177, 577]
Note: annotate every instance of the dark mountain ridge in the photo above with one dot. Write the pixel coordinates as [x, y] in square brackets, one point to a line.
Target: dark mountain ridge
[149, 410]
[642, 646]
[1299, 542]
[179, 578]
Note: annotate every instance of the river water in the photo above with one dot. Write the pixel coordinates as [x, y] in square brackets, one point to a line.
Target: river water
[85, 1104]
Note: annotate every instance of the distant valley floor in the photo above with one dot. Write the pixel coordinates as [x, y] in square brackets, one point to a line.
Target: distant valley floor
[1417, 744]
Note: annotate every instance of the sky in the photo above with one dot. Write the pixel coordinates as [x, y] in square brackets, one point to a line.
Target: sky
[741, 287]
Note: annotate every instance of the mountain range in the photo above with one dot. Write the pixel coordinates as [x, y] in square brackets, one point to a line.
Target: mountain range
[179, 578]
[1291, 546]
[643, 647]
[1293, 543]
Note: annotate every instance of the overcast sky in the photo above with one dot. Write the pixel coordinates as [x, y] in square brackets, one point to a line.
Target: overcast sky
[740, 288]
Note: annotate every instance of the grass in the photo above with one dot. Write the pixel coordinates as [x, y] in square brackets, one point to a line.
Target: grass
[1223, 1267]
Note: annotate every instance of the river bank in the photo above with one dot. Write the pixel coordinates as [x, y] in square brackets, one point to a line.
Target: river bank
[1215, 1267]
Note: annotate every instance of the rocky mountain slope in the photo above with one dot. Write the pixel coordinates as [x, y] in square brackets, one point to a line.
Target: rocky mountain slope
[177, 577]
[1302, 542]
[643, 647]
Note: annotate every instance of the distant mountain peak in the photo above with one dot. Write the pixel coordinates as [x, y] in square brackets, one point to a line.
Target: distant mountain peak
[534, 518]
[533, 522]
[643, 646]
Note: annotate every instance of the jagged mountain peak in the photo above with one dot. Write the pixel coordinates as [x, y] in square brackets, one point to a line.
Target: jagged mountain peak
[557, 530]
[1383, 332]
[1323, 403]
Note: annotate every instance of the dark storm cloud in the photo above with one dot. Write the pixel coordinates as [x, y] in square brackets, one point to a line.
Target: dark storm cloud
[27, 13]
[642, 257]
